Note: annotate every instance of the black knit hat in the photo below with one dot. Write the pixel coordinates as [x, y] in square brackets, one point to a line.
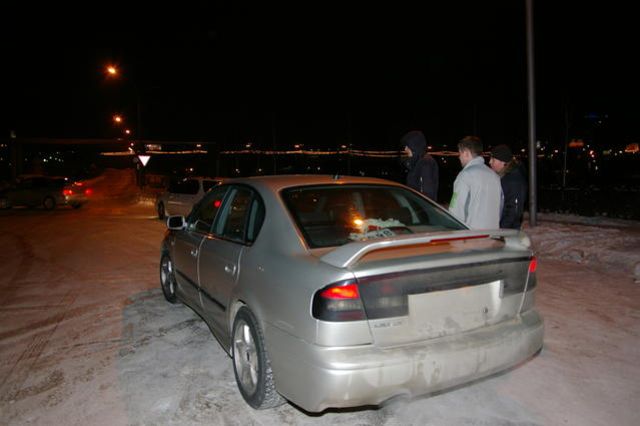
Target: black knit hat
[502, 153]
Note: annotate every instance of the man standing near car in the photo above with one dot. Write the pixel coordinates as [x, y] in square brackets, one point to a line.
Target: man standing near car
[422, 168]
[514, 186]
[477, 194]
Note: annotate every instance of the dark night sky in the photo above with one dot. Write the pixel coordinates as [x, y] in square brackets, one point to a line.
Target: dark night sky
[318, 74]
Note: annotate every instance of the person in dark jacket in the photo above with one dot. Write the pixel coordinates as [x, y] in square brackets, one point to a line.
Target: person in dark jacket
[422, 168]
[514, 186]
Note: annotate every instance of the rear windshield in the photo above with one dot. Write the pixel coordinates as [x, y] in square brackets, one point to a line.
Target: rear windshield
[334, 215]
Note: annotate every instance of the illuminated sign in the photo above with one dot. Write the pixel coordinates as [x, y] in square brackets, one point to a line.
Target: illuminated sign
[144, 159]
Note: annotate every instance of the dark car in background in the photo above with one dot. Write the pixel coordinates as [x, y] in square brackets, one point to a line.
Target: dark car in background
[44, 191]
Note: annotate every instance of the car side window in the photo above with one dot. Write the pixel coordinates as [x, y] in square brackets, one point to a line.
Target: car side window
[185, 186]
[39, 182]
[191, 186]
[204, 214]
[233, 220]
[256, 218]
[174, 186]
[26, 184]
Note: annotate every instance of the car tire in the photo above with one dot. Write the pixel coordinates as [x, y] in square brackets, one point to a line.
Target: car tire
[161, 211]
[49, 203]
[76, 205]
[251, 364]
[168, 279]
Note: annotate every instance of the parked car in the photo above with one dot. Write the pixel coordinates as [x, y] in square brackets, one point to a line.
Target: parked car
[44, 191]
[77, 193]
[348, 291]
[182, 194]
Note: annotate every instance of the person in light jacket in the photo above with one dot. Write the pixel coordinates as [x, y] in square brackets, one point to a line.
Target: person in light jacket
[477, 195]
[422, 168]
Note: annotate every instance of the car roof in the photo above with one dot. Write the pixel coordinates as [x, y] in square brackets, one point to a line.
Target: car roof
[32, 176]
[277, 183]
[199, 178]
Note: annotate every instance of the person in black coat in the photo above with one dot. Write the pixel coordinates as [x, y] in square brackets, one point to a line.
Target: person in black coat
[514, 186]
[422, 168]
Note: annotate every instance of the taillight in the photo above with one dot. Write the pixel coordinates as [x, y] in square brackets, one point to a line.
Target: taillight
[338, 302]
[533, 265]
[88, 191]
[67, 192]
[348, 291]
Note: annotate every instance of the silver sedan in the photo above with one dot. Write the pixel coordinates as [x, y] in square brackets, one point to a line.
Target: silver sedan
[344, 291]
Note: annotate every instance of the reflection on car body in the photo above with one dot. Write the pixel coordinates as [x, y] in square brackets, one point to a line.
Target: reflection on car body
[348, 291]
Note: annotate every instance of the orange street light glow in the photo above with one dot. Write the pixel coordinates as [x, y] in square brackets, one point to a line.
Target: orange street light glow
[127, 131]
[112, 70]
[117, 119]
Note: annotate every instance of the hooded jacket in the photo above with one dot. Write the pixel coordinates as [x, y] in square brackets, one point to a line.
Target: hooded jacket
[422, 168]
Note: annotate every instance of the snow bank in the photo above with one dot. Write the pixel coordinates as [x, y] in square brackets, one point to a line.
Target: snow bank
[598, 241]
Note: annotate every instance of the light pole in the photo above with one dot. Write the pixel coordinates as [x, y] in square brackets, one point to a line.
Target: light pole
[113, 72]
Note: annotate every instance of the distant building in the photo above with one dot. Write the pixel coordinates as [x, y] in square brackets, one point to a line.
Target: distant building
[632, 148]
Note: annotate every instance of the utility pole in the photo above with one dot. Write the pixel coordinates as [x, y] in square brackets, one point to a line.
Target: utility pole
[273, 135]
[566, 144]
[15, 156]
[349, 143]
[533, 201]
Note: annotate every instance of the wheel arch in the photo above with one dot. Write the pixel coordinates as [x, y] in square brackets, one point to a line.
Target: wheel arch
[233, 311]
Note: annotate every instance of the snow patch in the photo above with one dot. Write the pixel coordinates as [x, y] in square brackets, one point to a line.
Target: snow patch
[597, 241]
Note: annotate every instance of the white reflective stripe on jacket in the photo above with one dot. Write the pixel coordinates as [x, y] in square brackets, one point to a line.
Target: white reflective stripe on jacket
[477, 196]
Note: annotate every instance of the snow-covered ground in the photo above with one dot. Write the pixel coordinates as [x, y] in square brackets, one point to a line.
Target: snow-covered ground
[86, 337]
[595, 241]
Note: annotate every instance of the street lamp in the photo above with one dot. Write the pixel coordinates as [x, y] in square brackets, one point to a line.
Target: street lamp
[113, 72]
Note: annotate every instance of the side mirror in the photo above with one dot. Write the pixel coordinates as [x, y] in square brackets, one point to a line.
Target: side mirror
[176, 223]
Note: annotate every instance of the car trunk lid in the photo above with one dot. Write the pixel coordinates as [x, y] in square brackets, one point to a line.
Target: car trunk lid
[432, 286]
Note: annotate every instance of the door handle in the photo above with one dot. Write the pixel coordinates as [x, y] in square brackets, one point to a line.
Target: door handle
[194, 252]
[230, 269]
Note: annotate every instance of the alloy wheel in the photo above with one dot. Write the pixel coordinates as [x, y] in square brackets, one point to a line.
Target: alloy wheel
[245, 357]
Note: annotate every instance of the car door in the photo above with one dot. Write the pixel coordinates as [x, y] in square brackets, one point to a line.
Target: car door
[23, 193]
[187, 244]
[221, 252]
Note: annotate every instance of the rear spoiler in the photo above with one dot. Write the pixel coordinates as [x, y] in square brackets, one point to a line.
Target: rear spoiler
[348, 254]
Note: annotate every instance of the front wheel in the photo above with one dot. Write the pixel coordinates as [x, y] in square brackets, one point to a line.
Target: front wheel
[168, 279]
[251, 363]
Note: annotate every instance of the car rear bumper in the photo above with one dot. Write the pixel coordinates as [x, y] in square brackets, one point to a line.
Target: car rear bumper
[76, 200]
[316, 377]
